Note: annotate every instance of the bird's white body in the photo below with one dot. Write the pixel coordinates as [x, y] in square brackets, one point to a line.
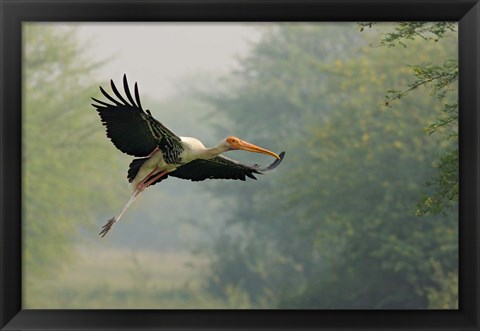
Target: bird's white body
[155, 161]
[192, 149]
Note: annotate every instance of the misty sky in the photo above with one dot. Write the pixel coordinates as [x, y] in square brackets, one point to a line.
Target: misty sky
[159, 55]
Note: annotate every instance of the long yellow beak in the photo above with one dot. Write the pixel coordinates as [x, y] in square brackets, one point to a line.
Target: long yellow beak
[246, 146]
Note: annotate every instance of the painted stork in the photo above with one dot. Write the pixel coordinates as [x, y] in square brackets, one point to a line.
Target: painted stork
[161, 153]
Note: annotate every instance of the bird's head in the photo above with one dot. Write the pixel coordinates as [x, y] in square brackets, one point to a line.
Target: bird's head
[234, 143]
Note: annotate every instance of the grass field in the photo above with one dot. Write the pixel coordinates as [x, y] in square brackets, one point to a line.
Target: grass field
[113, 278]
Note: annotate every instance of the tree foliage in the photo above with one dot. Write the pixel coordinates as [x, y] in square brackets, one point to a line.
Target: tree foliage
[334, 226]
[63, 163]
[409, 31]
[442, 81]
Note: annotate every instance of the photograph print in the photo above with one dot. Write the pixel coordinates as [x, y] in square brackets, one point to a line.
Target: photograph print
[240, 165]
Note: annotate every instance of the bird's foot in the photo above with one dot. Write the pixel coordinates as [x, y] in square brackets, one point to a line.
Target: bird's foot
[108, 226]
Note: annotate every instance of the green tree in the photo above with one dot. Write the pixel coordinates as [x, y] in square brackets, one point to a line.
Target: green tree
[335, 225]
[442, 81]
[64, 163]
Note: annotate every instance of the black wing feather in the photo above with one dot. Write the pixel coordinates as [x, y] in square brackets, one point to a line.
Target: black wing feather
[118, 95]
[127, 91]
[100, 102]
[109, 97]
[221, 167]
[137, 97]
[132, 130]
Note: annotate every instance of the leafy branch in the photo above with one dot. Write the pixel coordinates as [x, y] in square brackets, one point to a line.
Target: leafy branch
[441, 80]
[411, 30]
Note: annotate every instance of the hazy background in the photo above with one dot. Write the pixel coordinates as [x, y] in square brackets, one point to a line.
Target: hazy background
[338, 225]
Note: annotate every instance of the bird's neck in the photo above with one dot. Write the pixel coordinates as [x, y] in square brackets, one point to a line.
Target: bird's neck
[210, 153]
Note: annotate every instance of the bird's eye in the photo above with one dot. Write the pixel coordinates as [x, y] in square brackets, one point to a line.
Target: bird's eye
[232, 140]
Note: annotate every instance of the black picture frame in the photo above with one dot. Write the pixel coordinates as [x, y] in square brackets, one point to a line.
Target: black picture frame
[14, 12]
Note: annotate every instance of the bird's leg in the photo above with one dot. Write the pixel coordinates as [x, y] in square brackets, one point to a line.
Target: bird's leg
[155, 150]
[142, 186]
[115, 219]
[139, 189]
[148, 183]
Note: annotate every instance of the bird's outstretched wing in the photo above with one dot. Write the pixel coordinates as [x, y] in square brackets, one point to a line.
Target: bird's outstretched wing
[131, 129]
[221, 167]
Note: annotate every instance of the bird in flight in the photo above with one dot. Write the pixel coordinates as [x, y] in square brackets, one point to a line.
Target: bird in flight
[161, 153]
